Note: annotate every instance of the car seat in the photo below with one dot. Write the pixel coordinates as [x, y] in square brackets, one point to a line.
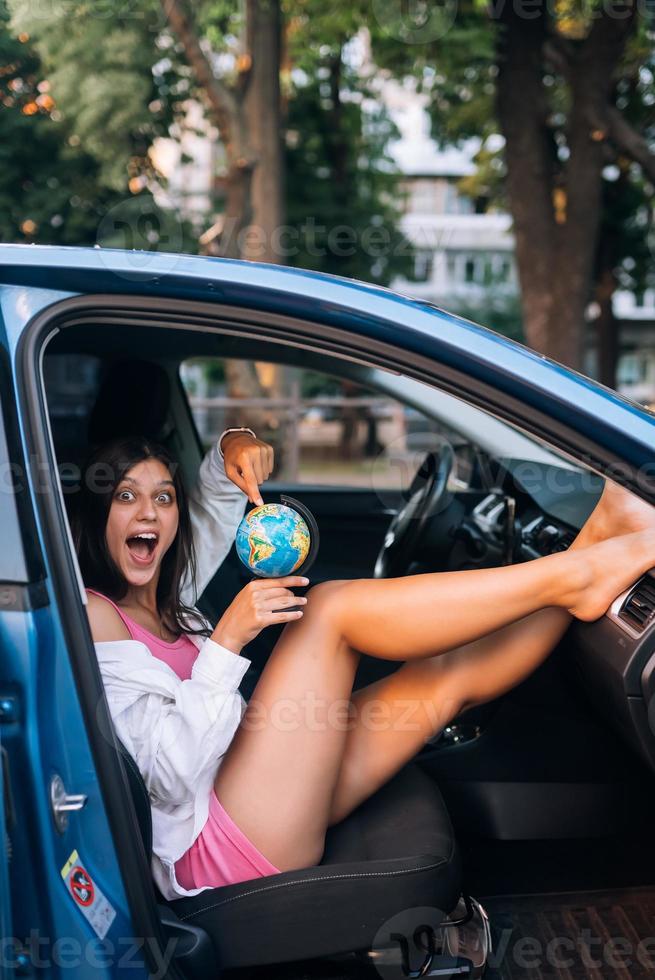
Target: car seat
[395, 855]
[133, 399]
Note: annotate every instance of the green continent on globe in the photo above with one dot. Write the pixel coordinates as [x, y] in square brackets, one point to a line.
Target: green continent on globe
[300, 541]
[259, 548]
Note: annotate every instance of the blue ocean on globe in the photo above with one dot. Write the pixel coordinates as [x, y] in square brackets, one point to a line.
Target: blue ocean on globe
[273, 540]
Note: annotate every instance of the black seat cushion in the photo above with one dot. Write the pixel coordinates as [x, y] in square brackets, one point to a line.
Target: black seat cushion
[395, 852]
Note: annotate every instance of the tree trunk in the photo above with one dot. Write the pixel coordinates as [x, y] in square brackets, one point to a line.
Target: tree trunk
[270, 424]
[607, 334]
[264, 240]
[556, 205]
[530, 157]
[337, 152]
[248, 118]
[262, 107]
[225, 109]
[237, 212]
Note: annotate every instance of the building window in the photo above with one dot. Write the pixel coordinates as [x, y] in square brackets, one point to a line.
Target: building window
[504, 269]
[423, 265]
[633, 368]
[470, 270]
[457, 203]
[424, 197]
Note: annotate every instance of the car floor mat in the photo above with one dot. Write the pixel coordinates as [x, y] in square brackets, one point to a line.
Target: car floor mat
[603, 935]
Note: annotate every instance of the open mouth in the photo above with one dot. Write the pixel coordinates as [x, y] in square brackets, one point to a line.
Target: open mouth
[142, 546]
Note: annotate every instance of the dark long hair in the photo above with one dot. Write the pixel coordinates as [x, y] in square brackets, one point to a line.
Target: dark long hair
[103, 471]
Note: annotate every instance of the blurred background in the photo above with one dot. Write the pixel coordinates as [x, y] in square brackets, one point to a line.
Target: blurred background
[494, 158]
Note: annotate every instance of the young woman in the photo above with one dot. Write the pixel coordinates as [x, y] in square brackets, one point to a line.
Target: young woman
[242, 791]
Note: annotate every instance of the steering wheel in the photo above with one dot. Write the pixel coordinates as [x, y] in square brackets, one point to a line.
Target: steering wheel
[427, 495]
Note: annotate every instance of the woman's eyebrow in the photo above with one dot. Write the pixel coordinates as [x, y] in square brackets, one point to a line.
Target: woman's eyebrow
[161, 483]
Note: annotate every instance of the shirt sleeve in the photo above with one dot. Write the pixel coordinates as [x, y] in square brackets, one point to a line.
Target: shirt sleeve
[217, 506]
[176, 731]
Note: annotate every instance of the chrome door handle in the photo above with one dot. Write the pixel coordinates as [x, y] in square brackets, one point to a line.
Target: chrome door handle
[62, 803]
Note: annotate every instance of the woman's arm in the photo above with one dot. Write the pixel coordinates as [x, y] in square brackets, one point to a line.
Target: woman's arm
[216, 506]
[218, 501]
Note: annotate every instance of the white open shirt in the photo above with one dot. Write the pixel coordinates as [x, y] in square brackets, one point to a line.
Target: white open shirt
[178, 731]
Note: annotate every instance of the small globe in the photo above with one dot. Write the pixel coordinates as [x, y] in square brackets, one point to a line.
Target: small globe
[273, 540]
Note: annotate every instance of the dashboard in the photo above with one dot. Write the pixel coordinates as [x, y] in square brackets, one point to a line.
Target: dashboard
[614, 657]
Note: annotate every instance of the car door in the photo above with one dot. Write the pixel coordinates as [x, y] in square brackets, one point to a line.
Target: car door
[63, 886]
[21, 594]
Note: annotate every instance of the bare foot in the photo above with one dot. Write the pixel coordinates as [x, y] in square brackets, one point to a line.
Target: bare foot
[612, 566]
[617, 512]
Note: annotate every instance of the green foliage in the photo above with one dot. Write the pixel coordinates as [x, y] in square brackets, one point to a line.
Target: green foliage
[63, 177]
[50, 189]
[120, 80]
[344, 201]
[315, 383]
[99, 62]
[458, 71]
[628, 232]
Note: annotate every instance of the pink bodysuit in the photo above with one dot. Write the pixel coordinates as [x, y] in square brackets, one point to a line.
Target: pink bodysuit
[221, 854]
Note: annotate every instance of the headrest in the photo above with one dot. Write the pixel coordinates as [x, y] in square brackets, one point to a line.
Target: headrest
[133, 399]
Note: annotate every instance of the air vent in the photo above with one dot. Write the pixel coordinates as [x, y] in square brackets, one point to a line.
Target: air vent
[639, 608]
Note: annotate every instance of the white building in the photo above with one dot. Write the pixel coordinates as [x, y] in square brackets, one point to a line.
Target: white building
[190, 163]
[463, 258]
[635, 316]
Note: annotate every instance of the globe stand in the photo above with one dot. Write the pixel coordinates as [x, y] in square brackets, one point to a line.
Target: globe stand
[314, 541]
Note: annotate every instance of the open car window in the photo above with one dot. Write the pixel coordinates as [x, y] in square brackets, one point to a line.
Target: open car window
[327, 430]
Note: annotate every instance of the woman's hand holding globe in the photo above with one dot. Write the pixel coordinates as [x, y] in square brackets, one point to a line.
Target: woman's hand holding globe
[261, 603]
[273, 541]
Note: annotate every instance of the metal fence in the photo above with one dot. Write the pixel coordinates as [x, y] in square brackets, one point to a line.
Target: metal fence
[365, 413]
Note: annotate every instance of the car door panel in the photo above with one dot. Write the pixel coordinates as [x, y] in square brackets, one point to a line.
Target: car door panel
[42, 726]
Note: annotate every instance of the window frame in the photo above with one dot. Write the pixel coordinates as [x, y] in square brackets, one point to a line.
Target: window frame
[22, 575]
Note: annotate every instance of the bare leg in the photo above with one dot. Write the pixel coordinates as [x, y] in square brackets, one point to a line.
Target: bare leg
[278, 778]
[394, 717]
[278, 775]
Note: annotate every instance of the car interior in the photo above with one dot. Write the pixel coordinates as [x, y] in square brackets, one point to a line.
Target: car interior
[528, 817]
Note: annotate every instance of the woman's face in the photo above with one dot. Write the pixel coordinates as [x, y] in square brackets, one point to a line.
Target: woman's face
[143, 521]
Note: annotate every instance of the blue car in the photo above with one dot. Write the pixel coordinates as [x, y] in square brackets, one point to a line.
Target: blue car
[524, 826]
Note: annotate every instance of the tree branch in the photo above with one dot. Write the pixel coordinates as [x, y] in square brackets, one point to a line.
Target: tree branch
[630, 142]
[557, 55]
[222, 103]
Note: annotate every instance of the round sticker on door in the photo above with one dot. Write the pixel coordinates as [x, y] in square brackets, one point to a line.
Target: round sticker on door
[81, 886]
